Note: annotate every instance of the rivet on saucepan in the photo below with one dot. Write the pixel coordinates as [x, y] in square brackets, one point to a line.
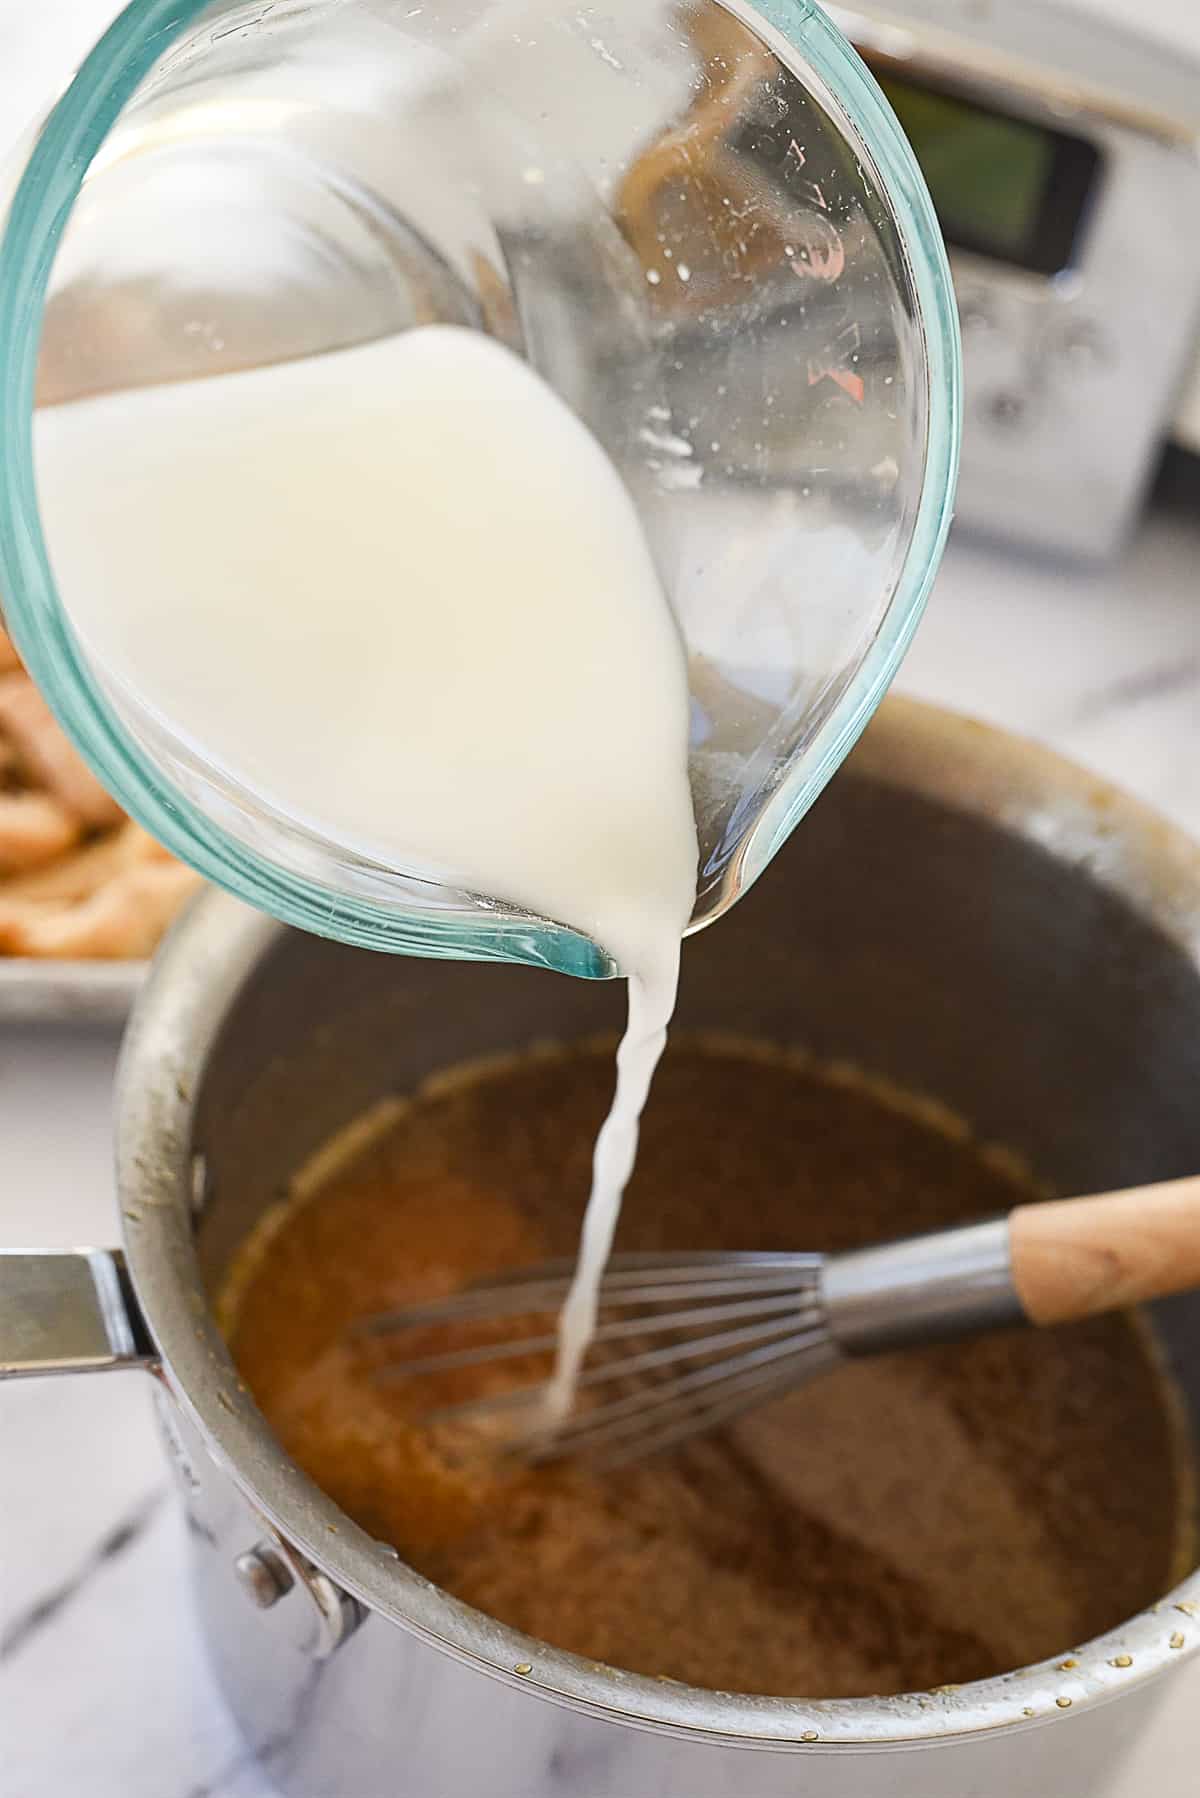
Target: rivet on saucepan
[1029, 1711]
[263, 1576]
[1066, 1666]
[1064, 1704]
[1189, 1608]
[809, 1735]
[1177, 1639]
[523, 1668]
[1121, 1660]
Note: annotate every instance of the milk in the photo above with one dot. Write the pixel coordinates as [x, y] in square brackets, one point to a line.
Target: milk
[400, 594]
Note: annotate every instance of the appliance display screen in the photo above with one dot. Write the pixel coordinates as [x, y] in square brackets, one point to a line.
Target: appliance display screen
[1003, 187]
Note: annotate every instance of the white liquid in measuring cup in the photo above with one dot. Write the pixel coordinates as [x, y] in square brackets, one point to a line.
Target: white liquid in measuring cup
[400, 593]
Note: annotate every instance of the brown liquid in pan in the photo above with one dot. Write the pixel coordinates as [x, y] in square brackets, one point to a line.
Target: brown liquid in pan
[929, 1518]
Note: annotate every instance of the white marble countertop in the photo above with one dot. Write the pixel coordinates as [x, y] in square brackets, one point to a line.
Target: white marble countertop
[104, 1691]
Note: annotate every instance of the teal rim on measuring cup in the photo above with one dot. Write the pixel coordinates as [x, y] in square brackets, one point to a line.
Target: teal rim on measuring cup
[41, 205]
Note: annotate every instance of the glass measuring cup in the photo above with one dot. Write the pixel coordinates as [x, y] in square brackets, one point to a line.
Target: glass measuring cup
[698, 221]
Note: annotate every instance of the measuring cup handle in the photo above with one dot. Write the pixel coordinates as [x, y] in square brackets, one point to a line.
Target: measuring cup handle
[71, 1311]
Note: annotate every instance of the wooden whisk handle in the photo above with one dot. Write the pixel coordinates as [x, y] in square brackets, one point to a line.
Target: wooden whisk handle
[1072, 1258]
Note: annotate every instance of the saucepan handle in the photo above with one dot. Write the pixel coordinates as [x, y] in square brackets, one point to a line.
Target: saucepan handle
[68, 1312]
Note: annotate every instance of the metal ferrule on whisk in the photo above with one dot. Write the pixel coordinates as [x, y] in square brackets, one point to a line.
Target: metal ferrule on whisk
[922, 1289]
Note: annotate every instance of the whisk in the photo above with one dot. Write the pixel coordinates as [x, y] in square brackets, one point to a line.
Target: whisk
[686, 1342]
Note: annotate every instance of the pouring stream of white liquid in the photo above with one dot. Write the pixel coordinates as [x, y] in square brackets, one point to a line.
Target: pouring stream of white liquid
[400, 594]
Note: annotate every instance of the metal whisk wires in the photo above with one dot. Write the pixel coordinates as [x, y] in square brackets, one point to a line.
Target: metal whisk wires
[687, 1341]
[684, 1342]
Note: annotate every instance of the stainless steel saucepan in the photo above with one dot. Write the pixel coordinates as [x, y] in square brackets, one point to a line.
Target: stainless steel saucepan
[961, 913]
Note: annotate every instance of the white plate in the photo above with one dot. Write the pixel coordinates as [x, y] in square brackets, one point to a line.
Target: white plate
[68, 992]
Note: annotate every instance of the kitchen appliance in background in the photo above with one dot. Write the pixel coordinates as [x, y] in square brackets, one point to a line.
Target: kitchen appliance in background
[1063, 155]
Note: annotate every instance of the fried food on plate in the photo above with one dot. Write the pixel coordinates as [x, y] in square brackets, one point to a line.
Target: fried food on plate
[78, 880]
[47, 758]
[86, 869]
[34, 829]
[122, 920]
